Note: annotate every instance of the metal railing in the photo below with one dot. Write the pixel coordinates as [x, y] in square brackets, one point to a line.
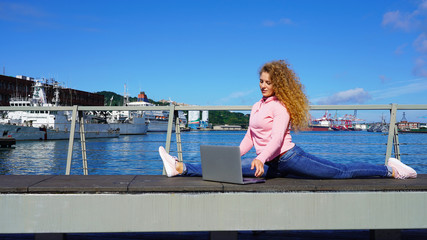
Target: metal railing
[77, 113]
[392, 141]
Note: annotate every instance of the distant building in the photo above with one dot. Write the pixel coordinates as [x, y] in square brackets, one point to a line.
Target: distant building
[404, 125]
[204, 123]
[173, 102]
[408, 125]
[194, 119]
[227, 127]
[21, 86]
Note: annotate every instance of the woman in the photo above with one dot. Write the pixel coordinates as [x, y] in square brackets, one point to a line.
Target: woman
[284, 104]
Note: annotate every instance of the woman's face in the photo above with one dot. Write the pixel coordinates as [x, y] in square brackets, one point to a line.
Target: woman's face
[266, 85]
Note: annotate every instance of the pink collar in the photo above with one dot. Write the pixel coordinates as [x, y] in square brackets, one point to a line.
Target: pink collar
[268, 99]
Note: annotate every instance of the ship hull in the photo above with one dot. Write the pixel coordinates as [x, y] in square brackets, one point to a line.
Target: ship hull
[159, 126]
[137, 127]
[413, 131]
[23, 133]
[317, 128]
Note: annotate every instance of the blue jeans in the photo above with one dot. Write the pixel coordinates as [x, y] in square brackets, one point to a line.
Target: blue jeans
[296, 162]
[195, 169]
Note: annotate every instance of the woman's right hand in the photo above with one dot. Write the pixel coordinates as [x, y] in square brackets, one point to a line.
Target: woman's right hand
[259, 166]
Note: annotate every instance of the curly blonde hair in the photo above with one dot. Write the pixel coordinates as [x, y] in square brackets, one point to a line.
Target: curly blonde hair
[290, 92]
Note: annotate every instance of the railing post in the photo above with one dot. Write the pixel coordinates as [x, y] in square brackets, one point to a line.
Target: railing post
[169, 131]
[178, 137]
[83, 142]
[396, 143]
[391, 131]
[71, 140]
[170, 127]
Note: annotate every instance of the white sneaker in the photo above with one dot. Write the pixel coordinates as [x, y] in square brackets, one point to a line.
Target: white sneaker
[401, 170]
[169, 162]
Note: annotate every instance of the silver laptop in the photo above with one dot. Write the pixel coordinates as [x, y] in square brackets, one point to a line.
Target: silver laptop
[223, 164]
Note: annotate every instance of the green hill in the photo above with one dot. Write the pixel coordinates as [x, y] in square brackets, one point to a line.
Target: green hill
[230, 118]
[215, 117]
[118, 99]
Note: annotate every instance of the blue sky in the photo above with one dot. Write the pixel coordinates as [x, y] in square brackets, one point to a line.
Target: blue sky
[209, 52]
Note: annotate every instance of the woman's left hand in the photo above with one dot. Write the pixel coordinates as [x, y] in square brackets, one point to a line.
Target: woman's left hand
[259, 166]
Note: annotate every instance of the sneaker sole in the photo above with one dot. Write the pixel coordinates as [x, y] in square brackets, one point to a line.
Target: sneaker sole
[398, 164]
[168, 168]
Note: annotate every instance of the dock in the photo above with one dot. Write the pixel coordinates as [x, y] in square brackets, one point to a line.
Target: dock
[7, 142]
[46, 205]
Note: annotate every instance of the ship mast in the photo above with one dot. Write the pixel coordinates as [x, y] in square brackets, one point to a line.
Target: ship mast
[125, 97]
[404, 118]
[56, 93]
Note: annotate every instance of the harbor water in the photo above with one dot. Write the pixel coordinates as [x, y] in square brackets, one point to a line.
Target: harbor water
[138, 154]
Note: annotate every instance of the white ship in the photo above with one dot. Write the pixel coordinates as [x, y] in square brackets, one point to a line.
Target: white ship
[47, 125]
[157, 120]
[128, 122]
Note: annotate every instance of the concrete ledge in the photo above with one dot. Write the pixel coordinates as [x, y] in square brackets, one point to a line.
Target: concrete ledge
[129, 203]
[146, 183]
[82, 183]
[19, 183]
[239, 211]
[157, 183]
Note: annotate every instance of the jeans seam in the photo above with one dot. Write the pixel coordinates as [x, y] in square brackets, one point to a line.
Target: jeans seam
[308, 158]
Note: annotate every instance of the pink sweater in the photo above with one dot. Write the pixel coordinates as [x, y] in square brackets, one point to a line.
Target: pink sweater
[268, 130]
